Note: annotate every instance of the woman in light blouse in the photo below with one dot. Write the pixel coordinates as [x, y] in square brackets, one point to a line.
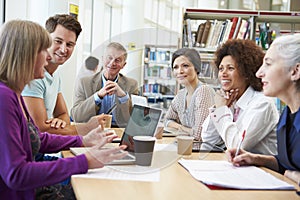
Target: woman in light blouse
[239, 104]
[190, 106]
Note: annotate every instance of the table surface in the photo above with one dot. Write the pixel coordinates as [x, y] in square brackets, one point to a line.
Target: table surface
[175, 183]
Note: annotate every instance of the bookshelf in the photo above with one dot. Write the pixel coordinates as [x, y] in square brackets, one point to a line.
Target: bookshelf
[221, 21]
[274, 22]
[219, 30]
[158, 82]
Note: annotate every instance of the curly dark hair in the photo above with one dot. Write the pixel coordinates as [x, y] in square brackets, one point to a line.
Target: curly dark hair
[67, 21]
[248, 57]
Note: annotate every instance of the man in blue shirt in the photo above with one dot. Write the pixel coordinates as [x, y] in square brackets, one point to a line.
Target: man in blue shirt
[43, 97]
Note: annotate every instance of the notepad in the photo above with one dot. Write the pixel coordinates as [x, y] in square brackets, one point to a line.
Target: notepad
[224, 175]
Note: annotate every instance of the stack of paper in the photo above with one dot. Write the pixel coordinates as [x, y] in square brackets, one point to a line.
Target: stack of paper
[224, 174]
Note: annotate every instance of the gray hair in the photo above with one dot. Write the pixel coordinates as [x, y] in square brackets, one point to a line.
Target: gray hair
[288, 47]
[118, 47]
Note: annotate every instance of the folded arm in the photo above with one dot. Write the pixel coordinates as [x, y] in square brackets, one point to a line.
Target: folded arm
[37, 110]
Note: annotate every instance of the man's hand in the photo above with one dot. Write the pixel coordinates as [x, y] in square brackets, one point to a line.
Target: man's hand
[111, 88]
[56, 123]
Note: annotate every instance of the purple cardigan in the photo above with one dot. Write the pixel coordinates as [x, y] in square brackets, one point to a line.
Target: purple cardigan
[19, 174]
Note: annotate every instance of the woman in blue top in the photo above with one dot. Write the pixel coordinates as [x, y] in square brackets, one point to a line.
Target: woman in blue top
[23, 55]
[280, 75]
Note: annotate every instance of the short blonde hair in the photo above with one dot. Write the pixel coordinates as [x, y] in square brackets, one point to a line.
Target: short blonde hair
[20, 42]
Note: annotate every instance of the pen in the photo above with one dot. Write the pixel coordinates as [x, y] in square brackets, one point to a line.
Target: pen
[111, 109]
[240, 144]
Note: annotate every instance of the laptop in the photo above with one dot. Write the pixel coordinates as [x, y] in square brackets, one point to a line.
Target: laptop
[143, 121]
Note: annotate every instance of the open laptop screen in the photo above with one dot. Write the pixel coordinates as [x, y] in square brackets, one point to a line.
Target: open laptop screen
[143, 121]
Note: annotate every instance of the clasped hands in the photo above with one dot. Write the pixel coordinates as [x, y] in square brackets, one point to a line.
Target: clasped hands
[111, 88]
[98, 156]
[225, 98]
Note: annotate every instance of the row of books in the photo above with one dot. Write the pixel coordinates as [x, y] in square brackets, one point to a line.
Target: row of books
[157, 71]
[153, 54]
[212, 33]
[156, 88]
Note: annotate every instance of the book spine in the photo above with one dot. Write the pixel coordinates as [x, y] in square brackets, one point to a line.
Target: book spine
[205, 33]
[237, 28]
[200, 33]
[234, 22]
[189, 33]
[210, 34]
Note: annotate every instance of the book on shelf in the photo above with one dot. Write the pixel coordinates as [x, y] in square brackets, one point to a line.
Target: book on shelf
[222, 32]
[249, 28]
[234, 21]
[199, 33]
[152, 88]
[189, 33]
[207, 26]
[263, 35]
[157, 71]
[237, 28]
[227, 31]
[215, 37]
[243, 29]
[184, 38]
[153, 54]
[211, 33]
[206, 69]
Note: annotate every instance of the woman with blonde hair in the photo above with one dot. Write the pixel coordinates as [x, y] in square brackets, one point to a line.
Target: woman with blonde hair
[23, 54]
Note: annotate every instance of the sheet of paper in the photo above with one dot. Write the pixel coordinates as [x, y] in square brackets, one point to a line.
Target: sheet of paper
[130, 173]
[224, 174]
[140, 100]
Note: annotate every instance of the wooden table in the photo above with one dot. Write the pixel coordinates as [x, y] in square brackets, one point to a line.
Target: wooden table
[175, 183]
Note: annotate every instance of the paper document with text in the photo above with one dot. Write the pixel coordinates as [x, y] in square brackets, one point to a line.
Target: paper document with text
[224, 174]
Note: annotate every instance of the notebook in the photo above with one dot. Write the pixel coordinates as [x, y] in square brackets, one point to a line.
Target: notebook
[143, 121]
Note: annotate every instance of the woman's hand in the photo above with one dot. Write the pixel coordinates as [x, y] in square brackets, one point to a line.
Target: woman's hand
[243, 158]
[98, 137]
[98, 157]
[95, 121]
[225, 98]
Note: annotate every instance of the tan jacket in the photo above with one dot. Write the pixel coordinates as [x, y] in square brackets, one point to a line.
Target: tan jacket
[84, 104]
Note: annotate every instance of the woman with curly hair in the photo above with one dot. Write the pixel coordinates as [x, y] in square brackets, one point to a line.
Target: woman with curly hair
[240, 106]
